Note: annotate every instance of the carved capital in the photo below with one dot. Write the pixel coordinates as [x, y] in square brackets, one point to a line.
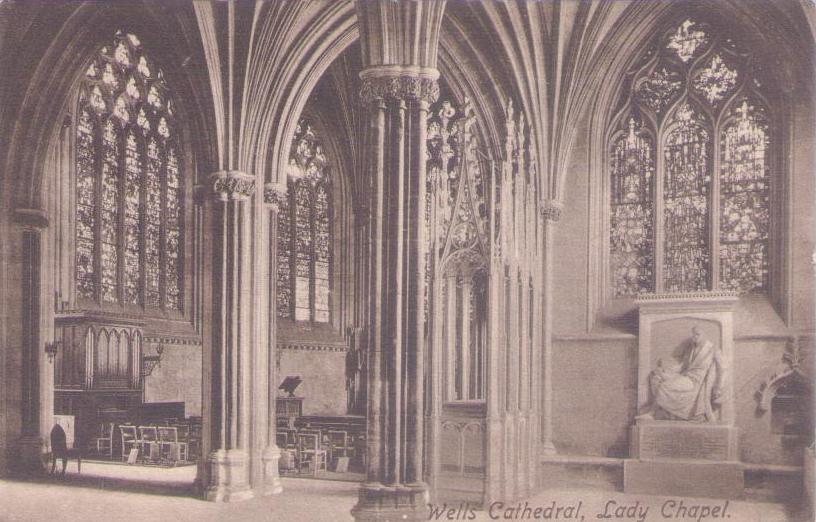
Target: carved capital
[32, 218]
[399, 83]
[231, 185]
[551, 210]
[274, 193]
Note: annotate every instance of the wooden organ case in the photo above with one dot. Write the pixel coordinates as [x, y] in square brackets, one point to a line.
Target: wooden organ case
[97, 374]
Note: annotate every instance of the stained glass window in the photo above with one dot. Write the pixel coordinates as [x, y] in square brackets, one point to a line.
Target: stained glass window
[86, 206]
[744, 209]
[686, 159]
[128, 182]
[304, 232]
[697, 91]
[632, 169]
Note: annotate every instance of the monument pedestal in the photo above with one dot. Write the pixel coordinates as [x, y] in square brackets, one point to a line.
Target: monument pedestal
[683, 478]
[679, 457]
[399, 502]
[684, 459]
[653, 440]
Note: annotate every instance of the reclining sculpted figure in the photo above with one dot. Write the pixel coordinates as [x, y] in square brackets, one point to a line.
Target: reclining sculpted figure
[691, 391]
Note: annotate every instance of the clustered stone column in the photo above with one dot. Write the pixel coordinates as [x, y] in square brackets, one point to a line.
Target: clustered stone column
[551, 212]
[228, 341]
[274, 193]
[398, 98]
[35, 377]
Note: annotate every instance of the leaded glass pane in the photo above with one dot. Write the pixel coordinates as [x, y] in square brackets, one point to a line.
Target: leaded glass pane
[133, 229]
[632, 172]
[659, 89]
[139, 203]
[744, 201]
[688, 40]
[303, 249]
[716, 80]
[686, 156]
[284, 285]
[302, 308]
[152, 224]
[742, 211]
[86, 206]
[173, 232]
[110, 211]
[304, 235]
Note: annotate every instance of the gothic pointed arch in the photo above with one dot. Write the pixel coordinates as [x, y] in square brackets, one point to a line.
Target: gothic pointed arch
[129, 182]
[700, 79]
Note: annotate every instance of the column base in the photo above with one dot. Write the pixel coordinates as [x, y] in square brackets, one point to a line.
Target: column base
[271, 475]
[27, 460]
[548, 448]
[380, 503]
[228, 472]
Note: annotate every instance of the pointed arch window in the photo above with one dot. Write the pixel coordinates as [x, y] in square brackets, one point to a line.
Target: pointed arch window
[690, 170]
[128, 182]
[304, 232]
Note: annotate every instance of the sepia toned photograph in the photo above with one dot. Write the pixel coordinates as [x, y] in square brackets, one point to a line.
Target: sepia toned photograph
[407, 260]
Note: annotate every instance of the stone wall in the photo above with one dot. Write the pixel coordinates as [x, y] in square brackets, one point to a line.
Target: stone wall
[595, 342]
[177, 378]
[324, 378]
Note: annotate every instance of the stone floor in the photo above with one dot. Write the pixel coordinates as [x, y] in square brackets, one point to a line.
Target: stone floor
[113, 493]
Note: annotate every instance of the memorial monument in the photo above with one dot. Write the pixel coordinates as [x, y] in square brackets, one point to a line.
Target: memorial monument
[684, 441]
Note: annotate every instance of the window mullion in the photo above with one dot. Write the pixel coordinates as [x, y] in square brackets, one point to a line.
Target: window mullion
[99, 160]
[714, 213]
[658, 213]
[120, 217]
[312, 254]
[293, 254]
[143, 221]
[163, 228]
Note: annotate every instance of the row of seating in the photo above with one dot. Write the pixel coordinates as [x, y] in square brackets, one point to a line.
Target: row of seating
[314, 449]
[170, 443]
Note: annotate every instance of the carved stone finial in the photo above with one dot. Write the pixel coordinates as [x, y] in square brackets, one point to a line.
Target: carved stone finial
[551, 210]
[399, 83]
[274, 193]
[230, 185]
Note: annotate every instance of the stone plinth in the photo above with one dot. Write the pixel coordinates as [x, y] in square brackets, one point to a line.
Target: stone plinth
[684, 459]
[381, 503]
[657, 440]
[683, 478]
[679, 457]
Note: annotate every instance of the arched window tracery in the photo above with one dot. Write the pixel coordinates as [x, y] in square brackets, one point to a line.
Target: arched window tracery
[304, 232]
[690, 169]
[128, 182]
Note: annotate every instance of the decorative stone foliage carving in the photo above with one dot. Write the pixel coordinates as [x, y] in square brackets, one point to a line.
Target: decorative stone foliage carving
[274, 193]
[232, 185]
[408, 88]
[551, 210]
[789, 367]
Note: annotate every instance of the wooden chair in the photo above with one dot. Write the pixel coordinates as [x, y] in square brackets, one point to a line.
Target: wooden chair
[340, 443]
[310, 453]
[149, 441]
[169, 440]
[130, 439]
[105, 440]
[291, 439]
[60, 450]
